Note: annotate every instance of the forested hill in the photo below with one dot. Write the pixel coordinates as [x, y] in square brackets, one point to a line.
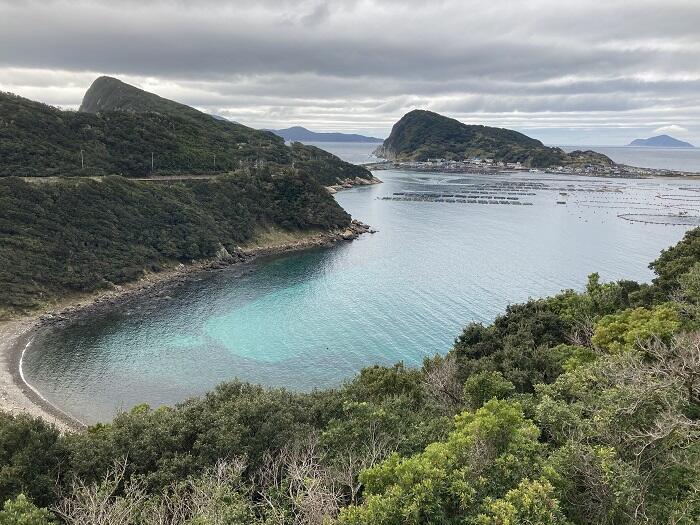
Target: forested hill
[139, 134]
[79, 235]
[422, 135]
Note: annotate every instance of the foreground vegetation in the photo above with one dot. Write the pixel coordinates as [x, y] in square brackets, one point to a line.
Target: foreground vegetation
[582, 408]
[423, 135]
[82, 235]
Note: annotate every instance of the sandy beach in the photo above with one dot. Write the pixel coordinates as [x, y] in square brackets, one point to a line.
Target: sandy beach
[18, 396]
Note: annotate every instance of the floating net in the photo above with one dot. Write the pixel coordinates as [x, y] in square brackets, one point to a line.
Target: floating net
[677, 197]
[680, 220]
[626, 205]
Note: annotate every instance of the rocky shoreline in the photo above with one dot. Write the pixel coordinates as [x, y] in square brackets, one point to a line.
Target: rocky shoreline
[16, 335]
[348, 183]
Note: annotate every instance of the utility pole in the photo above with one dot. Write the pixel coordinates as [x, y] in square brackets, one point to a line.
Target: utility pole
[82, 160]
[151, 161]
[214, 161]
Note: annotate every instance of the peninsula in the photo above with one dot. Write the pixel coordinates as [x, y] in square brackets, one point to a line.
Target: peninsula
[424, 135]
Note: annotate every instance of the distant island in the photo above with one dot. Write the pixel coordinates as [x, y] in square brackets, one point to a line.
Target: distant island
[423, 136]
[660, 141]
[297, 133]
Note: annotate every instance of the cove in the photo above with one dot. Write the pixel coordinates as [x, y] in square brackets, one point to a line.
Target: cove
[313, 319]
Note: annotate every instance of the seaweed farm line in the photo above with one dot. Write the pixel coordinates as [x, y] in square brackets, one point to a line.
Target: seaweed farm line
[668, 220]
[456, 198]
[664, 208]
[497, 192]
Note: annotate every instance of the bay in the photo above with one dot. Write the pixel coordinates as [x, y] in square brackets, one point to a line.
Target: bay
[313, 319]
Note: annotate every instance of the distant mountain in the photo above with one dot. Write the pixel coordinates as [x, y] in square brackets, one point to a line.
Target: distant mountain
[422, 135]
[297, 133]
[121, 129]
[660, 141]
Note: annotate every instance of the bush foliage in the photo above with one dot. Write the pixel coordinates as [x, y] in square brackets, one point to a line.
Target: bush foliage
[582, 408]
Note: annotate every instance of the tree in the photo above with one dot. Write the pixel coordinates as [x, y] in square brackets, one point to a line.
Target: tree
[532, 502]
[482, 387]
[487, 454]
[32, 456]
[517, 344]
[631, 328]
[217, 496]
[21, 511]
[676, 261]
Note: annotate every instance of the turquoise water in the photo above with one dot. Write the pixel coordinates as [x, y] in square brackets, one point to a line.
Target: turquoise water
[313, 319]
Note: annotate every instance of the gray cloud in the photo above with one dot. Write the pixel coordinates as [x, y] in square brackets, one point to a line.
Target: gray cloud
[357, 65]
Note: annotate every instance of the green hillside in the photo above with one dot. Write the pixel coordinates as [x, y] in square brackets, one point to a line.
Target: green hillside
[80, 235]
[133, 133]
[422, 135]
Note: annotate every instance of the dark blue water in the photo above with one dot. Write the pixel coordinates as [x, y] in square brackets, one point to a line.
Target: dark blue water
[313, 319]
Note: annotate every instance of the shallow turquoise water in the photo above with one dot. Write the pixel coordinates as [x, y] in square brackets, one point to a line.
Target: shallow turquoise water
[313, 319]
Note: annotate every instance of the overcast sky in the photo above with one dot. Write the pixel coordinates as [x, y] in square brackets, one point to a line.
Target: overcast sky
[566, 72]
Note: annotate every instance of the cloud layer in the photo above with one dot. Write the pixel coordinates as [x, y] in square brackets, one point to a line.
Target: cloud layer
[564, 71]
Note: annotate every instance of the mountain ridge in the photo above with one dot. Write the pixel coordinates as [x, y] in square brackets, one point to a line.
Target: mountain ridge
[124, 130]
[299, 133]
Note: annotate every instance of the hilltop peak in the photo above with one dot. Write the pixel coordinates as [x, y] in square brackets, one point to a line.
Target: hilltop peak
[111, 94]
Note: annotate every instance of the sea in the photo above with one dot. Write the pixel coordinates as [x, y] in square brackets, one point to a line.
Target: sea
[449, 250]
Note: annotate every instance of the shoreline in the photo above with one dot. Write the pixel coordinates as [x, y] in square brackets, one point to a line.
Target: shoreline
[347, 184]
[18, 396]
[626, 171]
